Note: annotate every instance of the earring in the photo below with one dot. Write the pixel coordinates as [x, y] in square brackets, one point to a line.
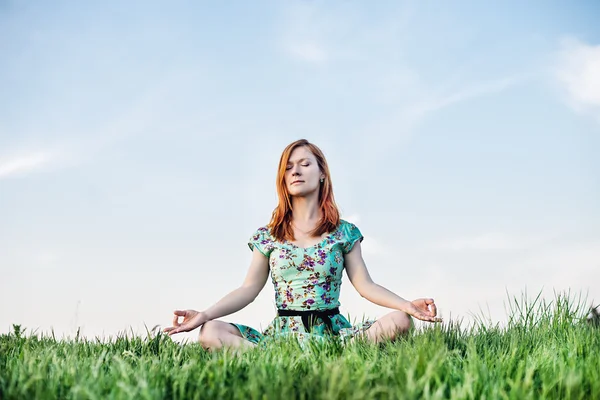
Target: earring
[322, 179]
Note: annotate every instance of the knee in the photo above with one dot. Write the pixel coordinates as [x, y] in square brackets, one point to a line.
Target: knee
[402, 322]
[209, 335]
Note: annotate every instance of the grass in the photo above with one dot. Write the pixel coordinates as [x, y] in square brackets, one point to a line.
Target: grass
[547, 350]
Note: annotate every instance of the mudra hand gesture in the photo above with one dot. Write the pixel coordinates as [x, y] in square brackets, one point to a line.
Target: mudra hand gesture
[191, 320]
[423, 309]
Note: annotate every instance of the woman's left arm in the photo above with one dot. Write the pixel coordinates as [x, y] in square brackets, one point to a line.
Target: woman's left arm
[423, 309]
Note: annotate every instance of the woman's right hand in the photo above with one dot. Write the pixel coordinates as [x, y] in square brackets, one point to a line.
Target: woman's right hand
[191, 320]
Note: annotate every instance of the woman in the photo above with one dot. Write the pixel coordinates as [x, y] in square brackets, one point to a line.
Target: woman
[306, 246]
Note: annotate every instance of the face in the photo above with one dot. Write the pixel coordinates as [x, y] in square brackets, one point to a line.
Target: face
[302, 174]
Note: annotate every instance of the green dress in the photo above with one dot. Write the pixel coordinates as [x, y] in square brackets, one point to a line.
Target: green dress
[306, 279]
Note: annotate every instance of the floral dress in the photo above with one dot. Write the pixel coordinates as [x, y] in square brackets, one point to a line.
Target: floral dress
[306, 279]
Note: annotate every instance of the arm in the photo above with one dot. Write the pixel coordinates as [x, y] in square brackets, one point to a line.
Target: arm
[423, 309]
[232, 302]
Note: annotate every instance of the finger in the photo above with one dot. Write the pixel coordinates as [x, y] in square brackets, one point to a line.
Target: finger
[433, 309]
[178, 313]
[428, 318]
[169, 329]
[429, 306]
[421, 316]
[173, 331]
[425, 303]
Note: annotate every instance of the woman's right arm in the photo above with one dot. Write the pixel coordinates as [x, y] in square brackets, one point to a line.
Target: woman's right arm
[234, 301]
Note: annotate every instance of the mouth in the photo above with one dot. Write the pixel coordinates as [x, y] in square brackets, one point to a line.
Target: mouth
[293, 183]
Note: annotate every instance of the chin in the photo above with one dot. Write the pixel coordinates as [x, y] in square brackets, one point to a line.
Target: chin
[300, 193]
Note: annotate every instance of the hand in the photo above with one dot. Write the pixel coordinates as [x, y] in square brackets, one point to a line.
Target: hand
[191, 320]
[423, 309]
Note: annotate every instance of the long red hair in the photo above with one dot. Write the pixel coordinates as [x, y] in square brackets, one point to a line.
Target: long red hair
[280, 224]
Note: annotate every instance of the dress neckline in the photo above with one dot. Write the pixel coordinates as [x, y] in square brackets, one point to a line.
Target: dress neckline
[309, 247]
[316, 245]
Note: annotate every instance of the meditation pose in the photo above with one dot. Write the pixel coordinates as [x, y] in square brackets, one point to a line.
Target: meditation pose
[305, 248]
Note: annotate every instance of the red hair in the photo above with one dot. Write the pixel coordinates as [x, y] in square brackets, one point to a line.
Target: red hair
[280, 224]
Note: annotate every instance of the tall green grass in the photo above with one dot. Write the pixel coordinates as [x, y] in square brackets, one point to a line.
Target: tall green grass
[546, 350]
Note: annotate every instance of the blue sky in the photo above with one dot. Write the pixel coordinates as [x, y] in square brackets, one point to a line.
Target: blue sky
[139, 145]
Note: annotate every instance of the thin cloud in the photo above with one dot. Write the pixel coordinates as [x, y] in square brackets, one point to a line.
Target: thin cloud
[468, 92]
[578, 72]
[401, 125]
[24, 164]
[311, 52]
[310, 33]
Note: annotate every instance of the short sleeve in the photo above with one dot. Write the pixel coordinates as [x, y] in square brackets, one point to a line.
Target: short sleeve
[351, 235]
[261, 239]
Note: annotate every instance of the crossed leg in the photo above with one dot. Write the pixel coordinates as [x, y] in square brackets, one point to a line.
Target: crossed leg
[389, 327]
[217, 334]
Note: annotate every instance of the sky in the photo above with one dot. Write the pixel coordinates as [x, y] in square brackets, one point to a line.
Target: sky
[139, 144]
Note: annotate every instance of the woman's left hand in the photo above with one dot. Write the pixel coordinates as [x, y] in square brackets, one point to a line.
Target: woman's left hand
[423, 309]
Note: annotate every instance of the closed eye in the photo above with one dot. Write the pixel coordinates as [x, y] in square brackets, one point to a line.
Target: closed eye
[304, 165]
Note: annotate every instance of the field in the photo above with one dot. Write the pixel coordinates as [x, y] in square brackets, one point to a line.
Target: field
[546, 350]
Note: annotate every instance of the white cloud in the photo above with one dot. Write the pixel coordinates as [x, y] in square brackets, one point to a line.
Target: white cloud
[23, 164]
[578, 72]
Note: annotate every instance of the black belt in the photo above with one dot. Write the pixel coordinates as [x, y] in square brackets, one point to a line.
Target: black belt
[309, 317]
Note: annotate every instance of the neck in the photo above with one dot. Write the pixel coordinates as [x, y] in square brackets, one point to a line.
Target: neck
[305, 209]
